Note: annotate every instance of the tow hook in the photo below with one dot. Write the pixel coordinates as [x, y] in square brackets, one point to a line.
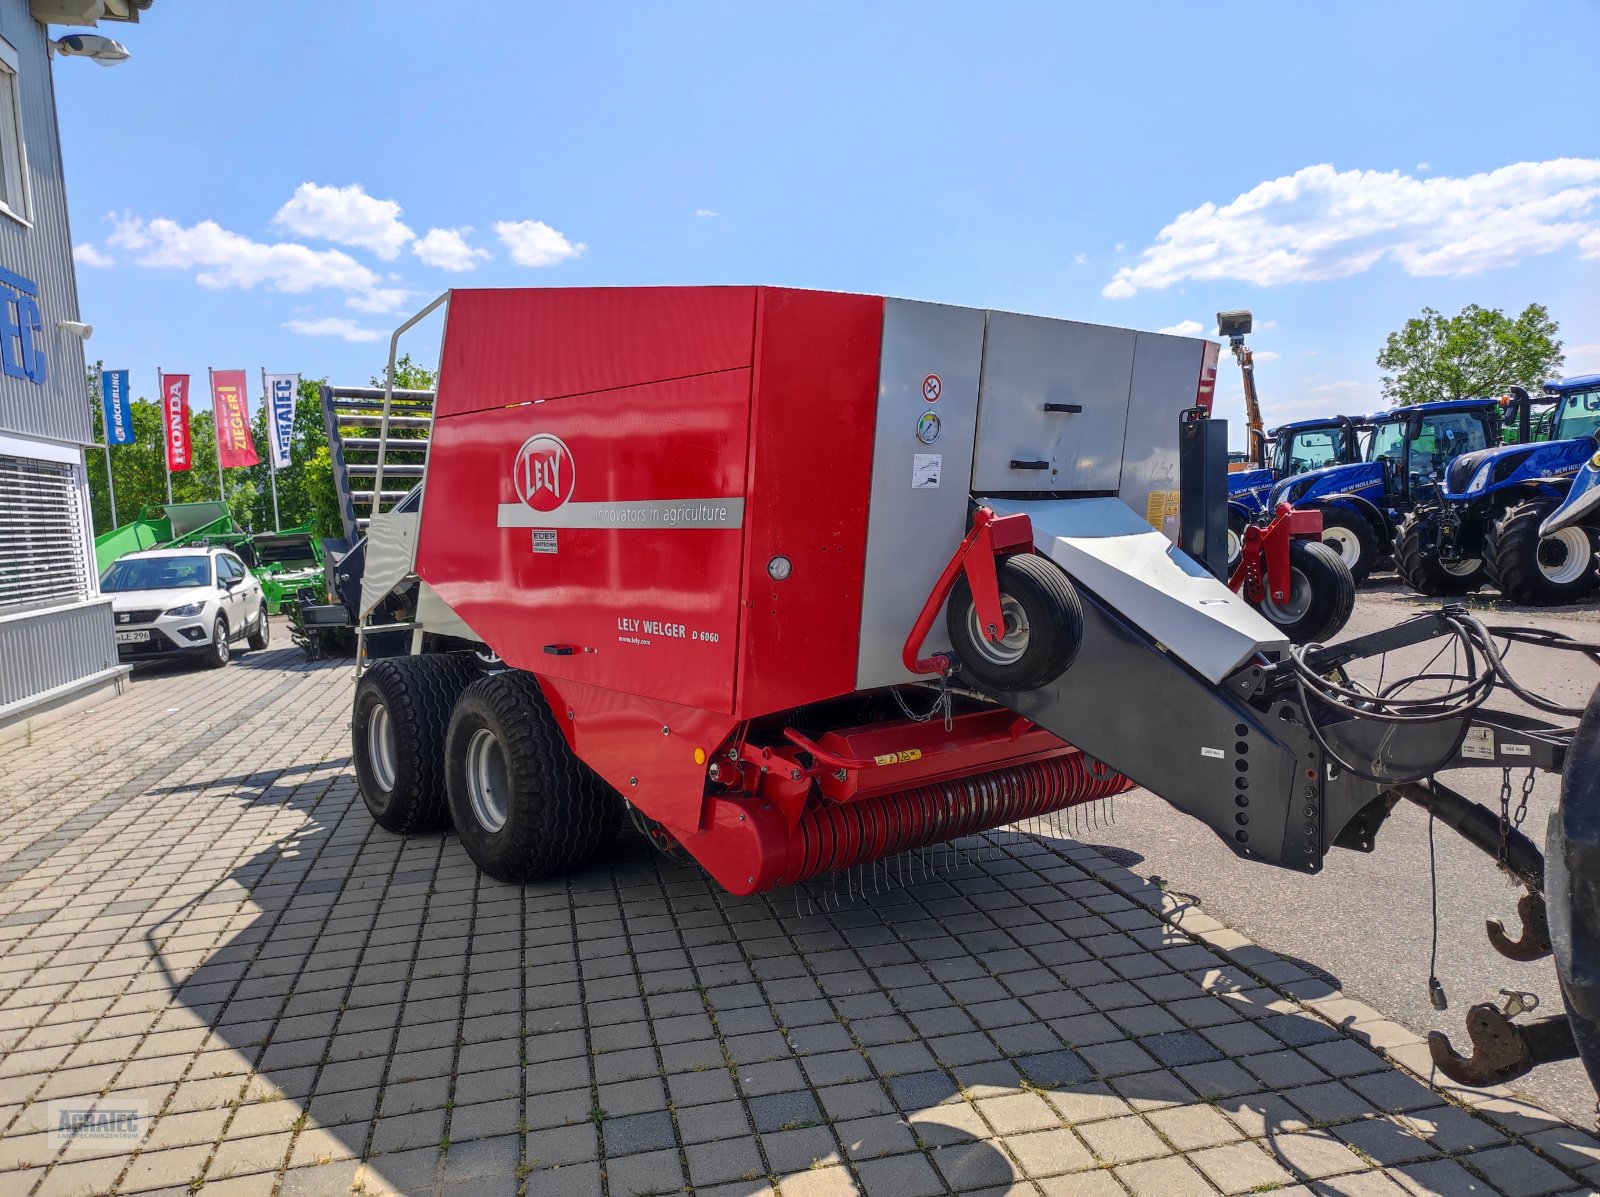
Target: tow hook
[1535, 941]
[1501, 1049]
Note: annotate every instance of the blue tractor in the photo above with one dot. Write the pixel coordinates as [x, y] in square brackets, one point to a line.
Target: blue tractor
[1485, 524]
[1293, 449]
[1408, 452]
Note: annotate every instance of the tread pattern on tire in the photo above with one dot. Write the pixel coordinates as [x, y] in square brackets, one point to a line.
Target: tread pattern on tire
[1420, 569]
[1333, 593]
[1512, 557]
[561, 813]
[420, 693]
[1053, 645]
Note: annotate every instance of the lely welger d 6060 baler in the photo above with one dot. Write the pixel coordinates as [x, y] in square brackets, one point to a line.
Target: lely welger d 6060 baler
[802, 580]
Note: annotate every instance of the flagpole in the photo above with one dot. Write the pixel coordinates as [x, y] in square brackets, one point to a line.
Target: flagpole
[166, 430]
[216, 433]
[272, 453]
[105, 430]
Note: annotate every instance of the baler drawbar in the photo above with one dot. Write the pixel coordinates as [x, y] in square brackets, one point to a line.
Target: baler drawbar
[800, 581]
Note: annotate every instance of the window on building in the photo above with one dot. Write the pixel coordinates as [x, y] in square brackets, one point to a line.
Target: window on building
[13, 150]
[41, 536]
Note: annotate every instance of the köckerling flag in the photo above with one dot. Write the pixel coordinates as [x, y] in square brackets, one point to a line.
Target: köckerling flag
[175, 420]
[118, 410]
[281, 392]
[234, 446]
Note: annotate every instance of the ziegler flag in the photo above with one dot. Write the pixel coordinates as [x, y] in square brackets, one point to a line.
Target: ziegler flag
[234, 446]
[175, 421]
[281, 393]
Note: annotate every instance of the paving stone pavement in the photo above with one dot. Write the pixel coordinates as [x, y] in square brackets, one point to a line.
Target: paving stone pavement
[200, 923]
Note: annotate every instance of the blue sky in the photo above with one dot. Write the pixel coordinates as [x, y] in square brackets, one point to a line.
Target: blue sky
[261, 183]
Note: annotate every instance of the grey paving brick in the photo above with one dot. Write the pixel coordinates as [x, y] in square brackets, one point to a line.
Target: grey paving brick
[904, 1175]
[638, 1132]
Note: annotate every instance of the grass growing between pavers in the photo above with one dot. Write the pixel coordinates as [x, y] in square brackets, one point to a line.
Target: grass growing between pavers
[200, 919]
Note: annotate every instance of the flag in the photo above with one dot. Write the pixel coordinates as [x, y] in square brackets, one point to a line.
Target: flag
[118, 410]
[232, 408]
[281, 392]
[175, 418]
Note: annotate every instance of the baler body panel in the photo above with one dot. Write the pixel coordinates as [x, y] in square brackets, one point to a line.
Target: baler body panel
[1165, 367]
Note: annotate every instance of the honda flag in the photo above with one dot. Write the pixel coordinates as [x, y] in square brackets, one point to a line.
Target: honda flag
[281, 391]
[234, 446]
[175, 418]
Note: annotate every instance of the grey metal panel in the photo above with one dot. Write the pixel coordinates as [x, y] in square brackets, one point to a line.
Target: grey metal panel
[913, 531]
[1031, 361]
[43, 253]
[53, 648]
[1166, 378]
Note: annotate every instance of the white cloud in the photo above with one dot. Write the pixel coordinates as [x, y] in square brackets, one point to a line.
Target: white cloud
[347, 215]
[1582, 359]
[1184, 328]
[704, 212]
[448, 249]
[534, 243]
[1319, 223]
[335, 326]
[1424, 166]
[227, 259]
[87, 255]
[1080, 259]
[1264, 355]
[382, 299]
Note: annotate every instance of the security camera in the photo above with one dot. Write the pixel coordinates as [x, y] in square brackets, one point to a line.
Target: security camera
[92, 46]
[76, 328]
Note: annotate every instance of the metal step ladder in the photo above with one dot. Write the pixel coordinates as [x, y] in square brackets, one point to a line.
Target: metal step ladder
[364, 450]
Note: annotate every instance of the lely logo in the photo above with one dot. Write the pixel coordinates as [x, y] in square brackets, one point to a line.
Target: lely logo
[543, 474]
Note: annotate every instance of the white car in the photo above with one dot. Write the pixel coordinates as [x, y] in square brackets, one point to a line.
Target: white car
[185, 602]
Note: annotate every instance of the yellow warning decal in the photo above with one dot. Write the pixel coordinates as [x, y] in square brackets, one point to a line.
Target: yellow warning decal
[1161, 506]
[898, 758]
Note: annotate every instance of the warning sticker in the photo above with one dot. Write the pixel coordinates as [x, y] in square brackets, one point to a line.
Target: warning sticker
[925, 471]
[898, 758]
[1479, 744]
[1161, 506]
[932, 388]
[544, 540]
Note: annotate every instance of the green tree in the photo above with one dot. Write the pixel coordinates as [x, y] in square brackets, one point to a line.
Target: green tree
[1475, 353]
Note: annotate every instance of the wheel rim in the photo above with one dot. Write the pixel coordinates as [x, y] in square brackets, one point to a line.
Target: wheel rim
[1009, 648]
[488, 786]
[1464, 568]
[1564, 557]
[1293, 608]
[266, 627]
[380, 747]
[1235, 545]
[1344, 542]
[220, 638]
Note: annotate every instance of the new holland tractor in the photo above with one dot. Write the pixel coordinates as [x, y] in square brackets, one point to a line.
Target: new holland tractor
[799, 582]
[1292, 449]
[1408, 451]
[1485, 523]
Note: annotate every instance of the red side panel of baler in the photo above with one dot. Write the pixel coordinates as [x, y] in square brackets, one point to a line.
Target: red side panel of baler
[515, 346]
[816, 398]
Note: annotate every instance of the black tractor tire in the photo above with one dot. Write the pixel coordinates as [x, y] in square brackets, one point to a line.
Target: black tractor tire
[1044, 626]
[506, 757]
[1419, 567]
[1350, 535]
[219, 651]
[1237, 523]
[261, 634]
[398, 726]
[1322, 595]
[1539, 571]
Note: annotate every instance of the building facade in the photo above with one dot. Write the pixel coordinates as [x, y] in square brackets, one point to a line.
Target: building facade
[56, 638]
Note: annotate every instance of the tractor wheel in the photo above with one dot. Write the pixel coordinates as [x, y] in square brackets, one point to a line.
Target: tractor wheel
[1043, 626]
[1539, 570]
[1321, 594]
[397, 736]
[1237, 523]
[1420, 568]
[1349, 534]
[524, 805]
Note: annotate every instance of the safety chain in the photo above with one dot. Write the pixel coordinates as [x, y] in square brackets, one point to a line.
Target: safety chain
[944, 703]
[1508, 820]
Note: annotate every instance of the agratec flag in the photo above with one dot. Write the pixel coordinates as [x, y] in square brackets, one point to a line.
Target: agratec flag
[234, 446]
[281, 391]
[175, 420]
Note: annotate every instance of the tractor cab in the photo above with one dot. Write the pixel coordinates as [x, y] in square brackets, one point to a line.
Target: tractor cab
[1308, 445]
[1416, 445]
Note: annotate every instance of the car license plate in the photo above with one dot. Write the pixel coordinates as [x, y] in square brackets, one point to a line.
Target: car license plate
[133, 637]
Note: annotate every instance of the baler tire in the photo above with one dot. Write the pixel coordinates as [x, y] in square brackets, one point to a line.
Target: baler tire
[1042, 594]
[1419, 566]
[558, 813]
[417, 695]
[1357, 535]
[1329, 591]
[1514, 548]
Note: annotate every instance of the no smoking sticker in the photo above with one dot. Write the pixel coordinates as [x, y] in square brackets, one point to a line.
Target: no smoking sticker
[932, 388]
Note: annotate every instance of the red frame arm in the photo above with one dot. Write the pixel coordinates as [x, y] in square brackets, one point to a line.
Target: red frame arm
[991, 536]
